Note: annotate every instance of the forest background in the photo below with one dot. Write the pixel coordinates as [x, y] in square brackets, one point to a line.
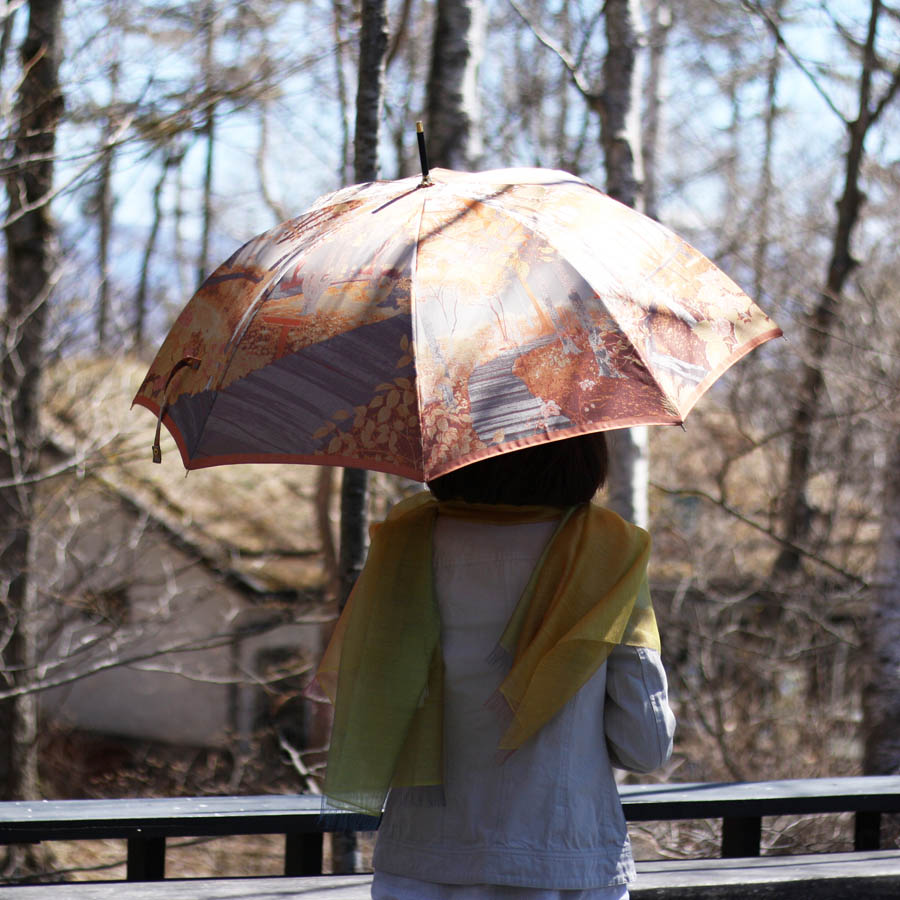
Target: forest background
[144, 141]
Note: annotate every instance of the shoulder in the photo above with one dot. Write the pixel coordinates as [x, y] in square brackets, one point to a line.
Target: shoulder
[600, 520]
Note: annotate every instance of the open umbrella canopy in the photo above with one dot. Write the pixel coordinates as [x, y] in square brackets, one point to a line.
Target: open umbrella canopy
[419, 325]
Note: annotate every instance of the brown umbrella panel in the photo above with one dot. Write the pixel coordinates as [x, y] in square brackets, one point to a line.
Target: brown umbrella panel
[414, 328]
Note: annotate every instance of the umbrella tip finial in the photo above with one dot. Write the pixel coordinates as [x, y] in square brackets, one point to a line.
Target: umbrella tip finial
[423, 155]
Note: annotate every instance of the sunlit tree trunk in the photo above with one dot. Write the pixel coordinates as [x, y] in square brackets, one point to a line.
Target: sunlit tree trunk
[30, 274]
[209, 130]
[660, 22]
[620, 135]
[454, 137]
[9, 18]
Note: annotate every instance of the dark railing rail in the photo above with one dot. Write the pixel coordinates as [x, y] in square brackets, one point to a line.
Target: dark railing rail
[742, 806]
[146, 824]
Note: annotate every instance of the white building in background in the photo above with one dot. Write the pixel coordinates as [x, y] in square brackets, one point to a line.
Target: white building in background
[179, 609]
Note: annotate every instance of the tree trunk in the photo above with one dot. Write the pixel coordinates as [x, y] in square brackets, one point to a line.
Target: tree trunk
[30, 273]
[338, 17]
[454, 139]
[660, 23]
[764, 197]
[105, 214]
[620, 136]
[369, 104]
[140, 300]
[105, 207]
[373, 42]
[628, 477]
[619, 117]
[9, 18]
[796, 513]
[209, 129]
[881, 695]
[324, 494]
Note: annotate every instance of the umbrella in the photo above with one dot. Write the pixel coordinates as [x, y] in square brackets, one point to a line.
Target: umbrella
[418, 325]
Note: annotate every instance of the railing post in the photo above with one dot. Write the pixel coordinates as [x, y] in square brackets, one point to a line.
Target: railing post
[303, 853]
[867, 831]
[741, 836]
[146, 859]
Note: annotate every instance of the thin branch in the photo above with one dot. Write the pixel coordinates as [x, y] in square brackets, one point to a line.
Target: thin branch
[107, 145]
[594, 99]
[277, 209]
[72, 464]
[737, 514]
[210, 642]
[754, 6]
[117, 659]
[244, 677]
[399, 33]
[300, 767]
[889, 94]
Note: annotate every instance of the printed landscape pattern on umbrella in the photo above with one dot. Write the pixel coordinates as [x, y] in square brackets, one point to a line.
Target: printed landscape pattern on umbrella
[415, 328]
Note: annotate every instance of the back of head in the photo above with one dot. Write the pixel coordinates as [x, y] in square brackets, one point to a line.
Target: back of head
[558, 473]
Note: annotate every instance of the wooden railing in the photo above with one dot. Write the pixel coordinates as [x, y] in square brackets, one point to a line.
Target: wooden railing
[146, 824]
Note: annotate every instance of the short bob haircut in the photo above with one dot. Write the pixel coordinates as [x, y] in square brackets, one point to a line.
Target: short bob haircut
[559, 473]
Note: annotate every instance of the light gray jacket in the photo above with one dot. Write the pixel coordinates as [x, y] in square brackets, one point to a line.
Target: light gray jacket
[549, 816]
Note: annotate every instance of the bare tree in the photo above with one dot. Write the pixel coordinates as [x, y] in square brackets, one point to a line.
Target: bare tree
[30, 273]
[882, 690]
[369, 106]
[373, 43]
[796, 511]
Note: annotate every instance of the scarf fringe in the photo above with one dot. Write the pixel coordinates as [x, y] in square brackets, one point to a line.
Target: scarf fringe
[336, 817]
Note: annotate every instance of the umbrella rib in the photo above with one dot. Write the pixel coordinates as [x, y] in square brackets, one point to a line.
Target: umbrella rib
[413, 298]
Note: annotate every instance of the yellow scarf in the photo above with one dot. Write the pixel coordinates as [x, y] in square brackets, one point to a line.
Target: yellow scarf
[383, 668]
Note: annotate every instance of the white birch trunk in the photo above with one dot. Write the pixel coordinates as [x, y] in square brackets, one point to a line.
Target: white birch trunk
[454, 131]
[621, 139]
[629, 474]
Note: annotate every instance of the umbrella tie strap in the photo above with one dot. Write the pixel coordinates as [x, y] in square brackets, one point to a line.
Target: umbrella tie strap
[194, 363]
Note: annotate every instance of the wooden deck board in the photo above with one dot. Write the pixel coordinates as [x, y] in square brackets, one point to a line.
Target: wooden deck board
[319, 887]
[874, 874]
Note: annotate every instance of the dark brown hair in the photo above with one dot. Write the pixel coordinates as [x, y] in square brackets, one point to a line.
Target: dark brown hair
[558, 473]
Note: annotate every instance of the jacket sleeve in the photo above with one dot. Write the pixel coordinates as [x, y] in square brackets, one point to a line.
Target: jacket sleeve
[638, 721]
